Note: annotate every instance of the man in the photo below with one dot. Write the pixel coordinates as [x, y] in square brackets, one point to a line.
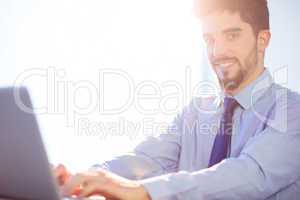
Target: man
[244, 145]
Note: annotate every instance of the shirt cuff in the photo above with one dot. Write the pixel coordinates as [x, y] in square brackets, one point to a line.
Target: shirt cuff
[156, 187]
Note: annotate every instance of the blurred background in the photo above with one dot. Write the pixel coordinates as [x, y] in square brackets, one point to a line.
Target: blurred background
[104, 74]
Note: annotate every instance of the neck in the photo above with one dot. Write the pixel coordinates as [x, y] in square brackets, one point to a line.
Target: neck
[252, 76]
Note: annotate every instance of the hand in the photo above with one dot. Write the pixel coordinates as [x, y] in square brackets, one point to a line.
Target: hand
[106, 184]
[61, 174]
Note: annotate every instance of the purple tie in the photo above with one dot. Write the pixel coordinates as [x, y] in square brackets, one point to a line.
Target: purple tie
[223, 138]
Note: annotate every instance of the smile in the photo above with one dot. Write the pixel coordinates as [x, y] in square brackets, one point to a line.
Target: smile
[225, 64]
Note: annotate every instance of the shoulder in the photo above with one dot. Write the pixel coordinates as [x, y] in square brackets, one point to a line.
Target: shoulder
[285, 96]
[285, 112]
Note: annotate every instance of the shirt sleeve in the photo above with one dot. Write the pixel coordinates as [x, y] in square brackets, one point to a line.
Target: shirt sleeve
[268, 163]
[152, 157]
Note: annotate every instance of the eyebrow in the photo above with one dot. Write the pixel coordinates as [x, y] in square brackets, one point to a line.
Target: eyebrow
[230, 30]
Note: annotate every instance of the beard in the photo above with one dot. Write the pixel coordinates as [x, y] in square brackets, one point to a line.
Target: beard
[230, 79]
[233, 76]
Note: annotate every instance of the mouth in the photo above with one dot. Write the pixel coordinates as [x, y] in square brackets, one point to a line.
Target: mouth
[225, 64]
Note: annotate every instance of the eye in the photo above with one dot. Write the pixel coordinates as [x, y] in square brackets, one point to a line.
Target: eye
[232, 36]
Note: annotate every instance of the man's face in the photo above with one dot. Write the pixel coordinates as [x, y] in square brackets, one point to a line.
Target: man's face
[231, 47]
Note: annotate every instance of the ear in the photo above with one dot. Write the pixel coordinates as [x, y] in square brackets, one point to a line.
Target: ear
[263, 40]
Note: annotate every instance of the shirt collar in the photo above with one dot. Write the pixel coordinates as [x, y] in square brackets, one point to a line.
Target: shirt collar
[252, 92]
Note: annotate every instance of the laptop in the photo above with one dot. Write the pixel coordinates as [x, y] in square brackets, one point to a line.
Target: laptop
[25, 173]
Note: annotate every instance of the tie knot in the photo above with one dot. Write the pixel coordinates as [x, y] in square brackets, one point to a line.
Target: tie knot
[230, 104]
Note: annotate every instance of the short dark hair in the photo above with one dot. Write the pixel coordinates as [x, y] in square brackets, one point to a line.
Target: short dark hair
[253, 12]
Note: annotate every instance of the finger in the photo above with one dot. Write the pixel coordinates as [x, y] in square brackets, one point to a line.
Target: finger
[97, 185]
[89, 190]
[74, 184]
[94, 189]
[61, 174]
[58, 170]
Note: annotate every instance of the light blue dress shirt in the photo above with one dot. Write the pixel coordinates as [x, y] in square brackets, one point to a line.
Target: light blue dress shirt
[264, 160]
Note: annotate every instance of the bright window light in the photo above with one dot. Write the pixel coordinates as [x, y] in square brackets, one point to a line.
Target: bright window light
[103, 74]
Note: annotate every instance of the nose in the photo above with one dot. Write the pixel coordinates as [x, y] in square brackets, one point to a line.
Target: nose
[219, 49]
